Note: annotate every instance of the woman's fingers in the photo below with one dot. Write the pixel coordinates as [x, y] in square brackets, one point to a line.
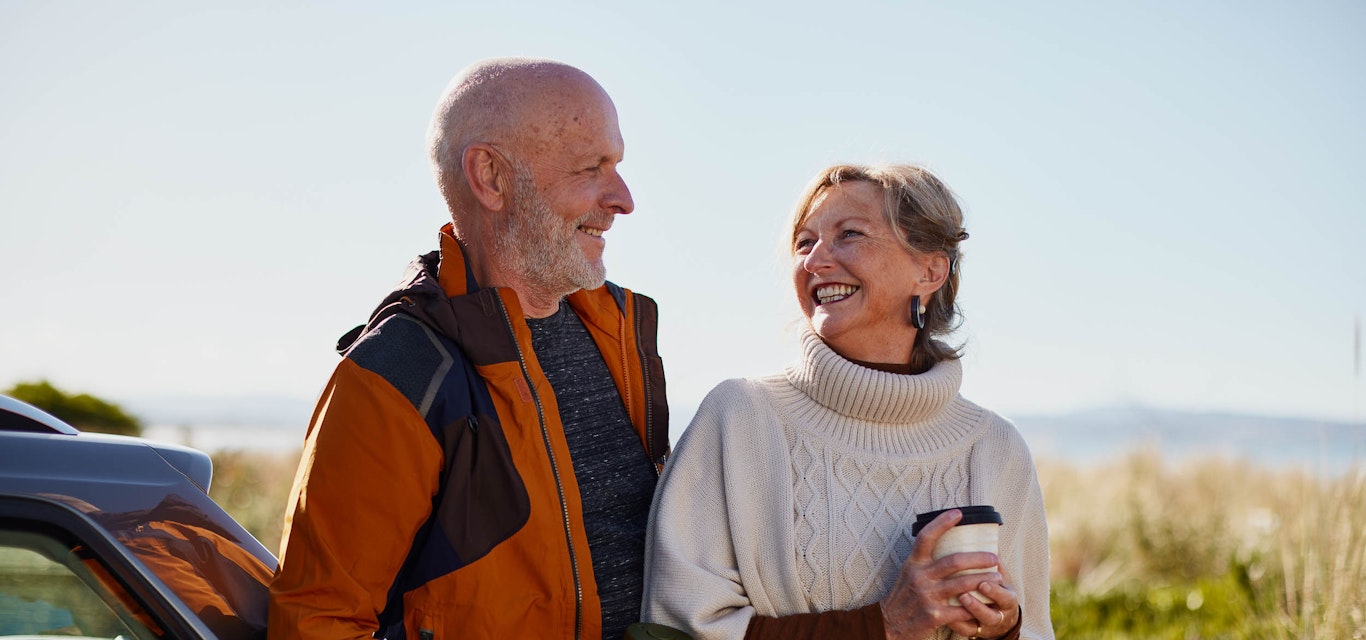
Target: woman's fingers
[920, 601]
[1003, 596]
[966, 561]
[923, 553]
[996, 618]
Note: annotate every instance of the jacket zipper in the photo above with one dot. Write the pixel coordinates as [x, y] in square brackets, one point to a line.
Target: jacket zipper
[649, 393]
[555, 470]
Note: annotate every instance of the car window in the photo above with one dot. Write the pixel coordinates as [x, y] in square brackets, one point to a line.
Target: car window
[48, 588]
[221, 582]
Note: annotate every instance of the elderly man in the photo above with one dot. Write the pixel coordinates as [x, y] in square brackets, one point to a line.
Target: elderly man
[482, 461]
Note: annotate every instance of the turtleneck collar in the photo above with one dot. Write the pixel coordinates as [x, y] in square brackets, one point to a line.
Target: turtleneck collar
[867, 394]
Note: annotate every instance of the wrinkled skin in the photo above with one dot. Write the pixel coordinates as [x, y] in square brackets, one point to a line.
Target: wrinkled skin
[918, 603]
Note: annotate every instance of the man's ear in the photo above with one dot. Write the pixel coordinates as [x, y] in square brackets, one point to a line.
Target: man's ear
[489, 176]
[935, 271]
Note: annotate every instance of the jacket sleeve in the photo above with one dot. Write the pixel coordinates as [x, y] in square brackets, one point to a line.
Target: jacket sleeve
[369, 470]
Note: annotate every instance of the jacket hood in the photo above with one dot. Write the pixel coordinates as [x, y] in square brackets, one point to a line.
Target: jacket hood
[426, 290]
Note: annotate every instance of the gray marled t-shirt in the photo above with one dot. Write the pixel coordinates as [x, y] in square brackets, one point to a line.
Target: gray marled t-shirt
[615, 475]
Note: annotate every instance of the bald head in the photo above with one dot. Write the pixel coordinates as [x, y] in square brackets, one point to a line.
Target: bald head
[521, 105]
[526, 153]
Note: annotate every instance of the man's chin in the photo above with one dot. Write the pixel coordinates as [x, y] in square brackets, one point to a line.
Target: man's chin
[592, 279]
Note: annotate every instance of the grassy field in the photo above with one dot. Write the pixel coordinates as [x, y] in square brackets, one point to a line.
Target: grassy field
[1142, 547]
[1205, 548]
[253, 488]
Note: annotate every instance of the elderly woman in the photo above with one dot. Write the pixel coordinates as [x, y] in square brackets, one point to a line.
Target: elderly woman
[787, 509]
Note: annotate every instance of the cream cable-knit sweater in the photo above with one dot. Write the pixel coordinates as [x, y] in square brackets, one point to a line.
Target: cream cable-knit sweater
[795, 493]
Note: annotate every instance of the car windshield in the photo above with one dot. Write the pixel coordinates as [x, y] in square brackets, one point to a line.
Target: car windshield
[164, 520]
[132, 513]
[204, 563]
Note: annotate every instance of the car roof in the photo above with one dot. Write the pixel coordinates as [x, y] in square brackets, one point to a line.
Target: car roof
[21, 416]
[151, 498]
[92, 457]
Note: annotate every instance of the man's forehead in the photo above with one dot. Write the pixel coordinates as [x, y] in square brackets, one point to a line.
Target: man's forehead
[564, 110]
[584, 132]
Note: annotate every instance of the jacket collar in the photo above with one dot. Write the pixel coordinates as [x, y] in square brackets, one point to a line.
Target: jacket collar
[454, 274]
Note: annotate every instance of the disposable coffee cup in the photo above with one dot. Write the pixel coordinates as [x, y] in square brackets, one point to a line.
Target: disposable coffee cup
[977, 531]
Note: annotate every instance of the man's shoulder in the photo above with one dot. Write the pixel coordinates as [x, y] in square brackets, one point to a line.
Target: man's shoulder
[397, 337]
[408, 354]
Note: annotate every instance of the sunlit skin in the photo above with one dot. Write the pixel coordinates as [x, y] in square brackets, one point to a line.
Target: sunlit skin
[918, 602]
[854, 281]
[845, 240]
[571, 143]
[575, 167]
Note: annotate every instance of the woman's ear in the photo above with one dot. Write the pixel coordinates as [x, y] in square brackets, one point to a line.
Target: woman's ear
[489, 176]
[934, 272]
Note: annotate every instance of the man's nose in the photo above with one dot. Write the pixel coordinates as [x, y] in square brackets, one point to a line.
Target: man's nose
[618, 197]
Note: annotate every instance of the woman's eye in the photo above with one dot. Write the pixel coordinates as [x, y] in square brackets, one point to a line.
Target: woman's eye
[803, 245]
[849, 233]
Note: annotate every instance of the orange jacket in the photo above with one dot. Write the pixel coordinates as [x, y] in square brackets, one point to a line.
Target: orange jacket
[436, 497]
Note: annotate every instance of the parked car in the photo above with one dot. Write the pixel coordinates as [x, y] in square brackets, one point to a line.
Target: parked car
[107, 536]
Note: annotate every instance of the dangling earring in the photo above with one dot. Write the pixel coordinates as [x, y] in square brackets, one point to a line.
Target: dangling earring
[917, 313]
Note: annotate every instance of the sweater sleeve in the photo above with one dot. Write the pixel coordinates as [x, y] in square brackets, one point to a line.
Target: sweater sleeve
[1014, 633]
[1032, 577]
[692, 578]
[1024, 546]
[369, 469]
[860, 624]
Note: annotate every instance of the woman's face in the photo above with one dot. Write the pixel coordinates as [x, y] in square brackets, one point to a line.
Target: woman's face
[853, 277]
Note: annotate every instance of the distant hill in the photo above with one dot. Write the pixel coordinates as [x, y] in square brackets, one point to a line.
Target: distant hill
[229, 411]
[1102, 433]
[1267, 439]
[279, 421]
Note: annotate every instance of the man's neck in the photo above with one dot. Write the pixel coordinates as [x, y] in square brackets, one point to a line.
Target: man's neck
[536, 305]
[537, 301]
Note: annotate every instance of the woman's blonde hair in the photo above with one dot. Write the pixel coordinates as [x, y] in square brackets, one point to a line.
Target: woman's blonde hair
[927, 214]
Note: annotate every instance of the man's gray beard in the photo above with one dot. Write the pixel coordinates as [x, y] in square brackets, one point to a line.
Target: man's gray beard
[541, 247]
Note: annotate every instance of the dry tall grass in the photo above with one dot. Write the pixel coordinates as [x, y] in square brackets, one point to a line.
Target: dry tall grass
[1207, 547]
[254, 489]
[1142, 547]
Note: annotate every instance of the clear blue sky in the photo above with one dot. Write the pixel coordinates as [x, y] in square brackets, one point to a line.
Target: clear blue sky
[1165, 199]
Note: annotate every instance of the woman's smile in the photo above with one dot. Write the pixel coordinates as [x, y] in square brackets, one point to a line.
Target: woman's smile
[830, 293]
[854, 277]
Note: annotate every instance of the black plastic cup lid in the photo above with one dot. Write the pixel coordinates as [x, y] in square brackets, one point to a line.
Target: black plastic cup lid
[977, 514]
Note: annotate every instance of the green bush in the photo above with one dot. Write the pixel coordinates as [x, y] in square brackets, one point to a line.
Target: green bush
[1207, 548]
[1223, 606]
[83, 411]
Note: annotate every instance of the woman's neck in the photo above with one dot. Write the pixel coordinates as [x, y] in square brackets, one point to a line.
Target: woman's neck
[889, 367]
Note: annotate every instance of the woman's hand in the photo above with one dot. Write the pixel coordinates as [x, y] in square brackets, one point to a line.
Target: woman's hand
[996, 618]
[919, 601]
